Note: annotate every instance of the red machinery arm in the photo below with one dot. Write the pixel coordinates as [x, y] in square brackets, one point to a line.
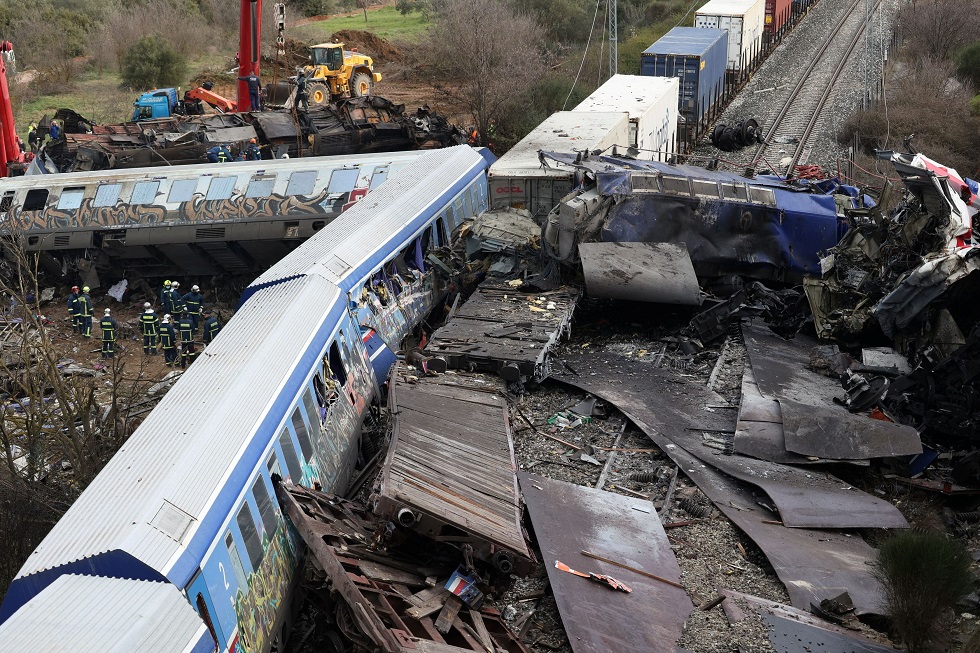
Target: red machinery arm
[249, 48]
[9, 146]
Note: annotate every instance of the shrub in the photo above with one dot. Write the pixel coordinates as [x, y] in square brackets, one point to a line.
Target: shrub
[968, 64]
[924, 574]
[153, 62]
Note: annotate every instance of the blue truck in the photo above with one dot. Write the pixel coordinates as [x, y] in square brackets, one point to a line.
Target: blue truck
[158, 103]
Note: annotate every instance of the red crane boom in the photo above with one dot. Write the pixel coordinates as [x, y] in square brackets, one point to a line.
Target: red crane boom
[249, 48]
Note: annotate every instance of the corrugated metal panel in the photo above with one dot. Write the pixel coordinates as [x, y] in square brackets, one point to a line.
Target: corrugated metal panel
[696, 56]
[194, 438]
[385, 211]
[91, 614]
[744, 21]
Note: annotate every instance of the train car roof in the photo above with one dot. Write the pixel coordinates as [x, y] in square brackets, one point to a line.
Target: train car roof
[197, 170]
[392, 212]
[180, 474]
[92, 614]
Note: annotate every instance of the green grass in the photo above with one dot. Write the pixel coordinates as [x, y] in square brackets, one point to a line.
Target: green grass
[386, 22]
[96, 96]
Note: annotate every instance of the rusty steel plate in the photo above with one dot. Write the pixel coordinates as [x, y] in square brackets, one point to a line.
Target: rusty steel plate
[661, 273]
[568, 519]
[812, 423]
[679, 411]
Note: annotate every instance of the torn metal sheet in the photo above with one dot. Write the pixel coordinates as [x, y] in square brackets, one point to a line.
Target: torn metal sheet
[450, 465]
[813, 425]
[759, 429]
[504, 229]
[375, 601]
[660, 273]
[796, 631]
[679, 411]
[501, 329]
[812, 564]
[885, 358]
[569, 519]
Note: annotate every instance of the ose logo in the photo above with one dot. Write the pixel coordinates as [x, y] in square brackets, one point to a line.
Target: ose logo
[508, 189]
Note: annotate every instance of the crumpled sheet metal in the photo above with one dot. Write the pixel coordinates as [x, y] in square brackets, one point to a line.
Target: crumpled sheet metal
[660, 273]
[813, 425]
[927, 283]
[812, 564]
[568, 519]
[678, 410]
[759, 429]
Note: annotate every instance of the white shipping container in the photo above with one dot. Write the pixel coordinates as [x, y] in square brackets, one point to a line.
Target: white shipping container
[651, 103]
[743, 19]
[519, 179]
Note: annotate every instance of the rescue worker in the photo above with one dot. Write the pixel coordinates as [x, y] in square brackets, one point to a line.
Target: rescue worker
[252, 152]
[54, 131]
[301, 98]
[211, 326]
[219, 154]
[164, 293]
[186, 329]
[33, 138]
[254, 85]
[175, 304]
[73, 310]
[168, 340]
[85, 314]
[150, 325]
[192, 304]
[108, 325]
[473, 137]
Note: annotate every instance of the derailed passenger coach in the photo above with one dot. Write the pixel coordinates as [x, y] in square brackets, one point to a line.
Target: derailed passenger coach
[184, 513]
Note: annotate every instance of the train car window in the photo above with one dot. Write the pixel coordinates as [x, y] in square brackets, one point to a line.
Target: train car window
[36, 200]
[145, 192]
[762, 195]
[266, 510]
[705, 188]
[6, 201]
[202, 609]
[106, 195]
[302, 434]
[182, 190]
[221, 188]
[378, 178]
[236, 561]
[289, 455]
[260, 187]
[468, 204]
[311, 410]
[342, 181]
[272, 465]
[731, 191]
[301, 183]
[677, 185]
[253, 545]
[71, 198]
[460, 213]
[443, 232]
[337, 365]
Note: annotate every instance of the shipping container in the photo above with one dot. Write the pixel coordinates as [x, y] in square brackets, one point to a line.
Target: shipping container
[744, 21]
[652, 104]
[698, 59]
[777, 15]
[519, 179]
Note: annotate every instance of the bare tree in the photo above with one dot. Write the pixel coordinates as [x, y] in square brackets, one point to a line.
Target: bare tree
[938, 28]
[483, 55]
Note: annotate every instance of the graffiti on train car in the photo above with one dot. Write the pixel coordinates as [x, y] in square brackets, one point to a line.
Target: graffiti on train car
[197, 210]
[257, 608]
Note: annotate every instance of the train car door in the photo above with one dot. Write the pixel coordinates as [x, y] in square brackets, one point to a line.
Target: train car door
[200, 597]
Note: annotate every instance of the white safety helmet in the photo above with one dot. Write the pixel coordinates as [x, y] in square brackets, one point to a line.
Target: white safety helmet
[175, 285]
[107, 311]
[146, 304]
[195, 288]
[166, 318]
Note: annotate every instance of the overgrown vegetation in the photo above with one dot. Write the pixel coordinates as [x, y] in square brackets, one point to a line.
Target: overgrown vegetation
[924, 575]
[153, 62]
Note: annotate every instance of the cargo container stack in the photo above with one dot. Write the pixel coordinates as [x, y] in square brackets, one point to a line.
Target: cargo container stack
[744, 20]
[778, 20]
[698, 59]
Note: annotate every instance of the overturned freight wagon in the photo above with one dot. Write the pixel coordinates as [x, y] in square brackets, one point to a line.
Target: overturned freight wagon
[522, 179]
[651, 103]
[744, 21]
[697, 57]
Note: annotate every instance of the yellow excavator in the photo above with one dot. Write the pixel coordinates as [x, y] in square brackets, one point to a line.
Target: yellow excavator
[336, 73]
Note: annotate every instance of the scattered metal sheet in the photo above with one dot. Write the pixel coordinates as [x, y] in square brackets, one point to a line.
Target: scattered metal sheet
[796, 631]
[501, 329]
[661, 273]
[679, 411]
[885, 358]
[393, 616]
[759, 429]
[569, 519]
[450, 465]
[813, 424]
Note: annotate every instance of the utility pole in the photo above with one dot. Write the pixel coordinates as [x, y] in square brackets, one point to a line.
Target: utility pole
[613, 38]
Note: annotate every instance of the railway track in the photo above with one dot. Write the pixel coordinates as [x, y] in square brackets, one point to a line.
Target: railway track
[800, 113]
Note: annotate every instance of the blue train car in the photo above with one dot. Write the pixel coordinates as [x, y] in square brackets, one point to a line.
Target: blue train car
[183, 519]
[696, 56]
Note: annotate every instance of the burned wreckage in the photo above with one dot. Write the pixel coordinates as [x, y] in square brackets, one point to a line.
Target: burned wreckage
[350, 126]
